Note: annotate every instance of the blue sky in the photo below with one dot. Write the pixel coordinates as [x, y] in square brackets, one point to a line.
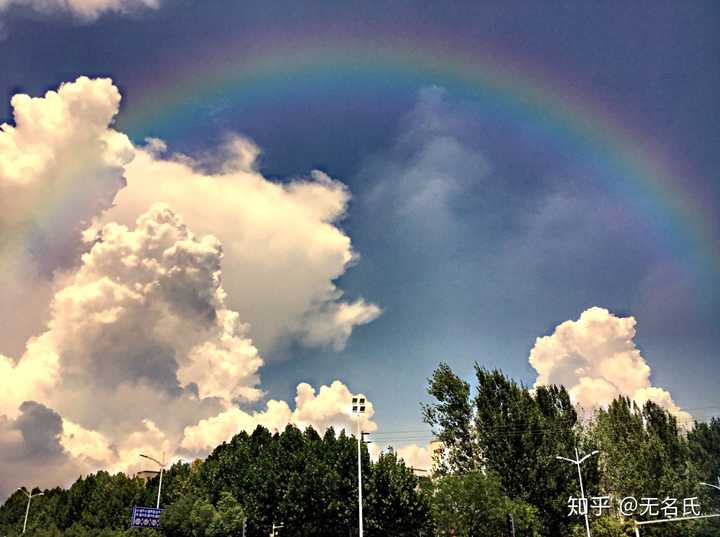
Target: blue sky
[477, 232]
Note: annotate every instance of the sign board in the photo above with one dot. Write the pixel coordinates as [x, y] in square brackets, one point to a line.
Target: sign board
[145, 517]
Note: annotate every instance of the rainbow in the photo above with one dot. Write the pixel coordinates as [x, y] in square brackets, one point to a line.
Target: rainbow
[627, 161]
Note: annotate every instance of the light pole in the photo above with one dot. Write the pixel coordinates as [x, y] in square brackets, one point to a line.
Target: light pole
[275, 528]
[27, 509]
[711, 485]
[358, 408]
[162, 469]
[577, 461]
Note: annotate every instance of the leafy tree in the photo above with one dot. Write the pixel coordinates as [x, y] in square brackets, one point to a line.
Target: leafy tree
[393, 505]
[451, 418]
[474, 505]
[513, 433]
[643, 453]
[176, 519]
[704, 447]
[228, 519]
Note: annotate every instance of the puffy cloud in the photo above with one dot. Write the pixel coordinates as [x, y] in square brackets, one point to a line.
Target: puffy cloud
[597, 360]
[85, 444]
[333, 322]
[146, 308]
[281, 239]
[417, 456]
[329, 407]
[84, 9]
[33, 376]
[210, 432]
[141, 326]
[136, 344]
[60, 166]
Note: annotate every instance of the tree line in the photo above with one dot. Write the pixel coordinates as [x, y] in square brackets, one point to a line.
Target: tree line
[500, 443]
[303, 480]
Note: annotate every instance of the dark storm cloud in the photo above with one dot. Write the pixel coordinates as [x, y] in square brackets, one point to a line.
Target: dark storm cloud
[30, 450]
[41, 429]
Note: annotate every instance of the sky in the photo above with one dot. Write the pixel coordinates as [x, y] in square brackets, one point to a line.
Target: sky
[242, 213]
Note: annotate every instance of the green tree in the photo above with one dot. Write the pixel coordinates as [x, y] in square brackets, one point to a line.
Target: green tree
[514, 433]
[704, 446]
[229, 518]
[175, 519]
[394, 504]
[643, 453]
[451, 418]
[474, 505]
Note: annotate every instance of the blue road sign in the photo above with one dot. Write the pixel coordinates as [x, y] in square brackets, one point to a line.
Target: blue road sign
[145, 517]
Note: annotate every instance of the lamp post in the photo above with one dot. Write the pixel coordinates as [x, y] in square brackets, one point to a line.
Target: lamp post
[713, 486]
[577, 461]
[358, 408]
[27, 509]
[275, 528]
[162, 469]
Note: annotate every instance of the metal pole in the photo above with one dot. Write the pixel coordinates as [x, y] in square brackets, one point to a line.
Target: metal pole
[27, 512]
[160, 487]
[711, 485]
[360, 501]
[161, 464]
[578, 461]
[582, 491]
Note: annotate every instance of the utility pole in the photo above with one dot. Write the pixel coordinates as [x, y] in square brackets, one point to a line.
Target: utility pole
[162, 469]
[577, 461]
[27, 509]
[358, 408]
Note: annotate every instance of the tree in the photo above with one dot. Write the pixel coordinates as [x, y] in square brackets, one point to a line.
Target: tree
[704, 447]
[643, 453]
[176, 519]
[474, 505]
[512, 432]
[228, 519]
[451, 420]
[394, 505]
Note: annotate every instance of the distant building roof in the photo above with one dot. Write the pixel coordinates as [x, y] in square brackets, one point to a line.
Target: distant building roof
[146, 474]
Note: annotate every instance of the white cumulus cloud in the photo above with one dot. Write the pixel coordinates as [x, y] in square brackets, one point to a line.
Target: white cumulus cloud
[328, 407]
[281, 239]
[597, 360]
[61, 164]
[145, 323]
[415, 456]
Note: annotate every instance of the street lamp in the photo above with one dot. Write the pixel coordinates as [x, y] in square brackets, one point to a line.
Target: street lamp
[275, 528]
[358, 408]
[162, 469]
[578, 461]
[27, 510]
